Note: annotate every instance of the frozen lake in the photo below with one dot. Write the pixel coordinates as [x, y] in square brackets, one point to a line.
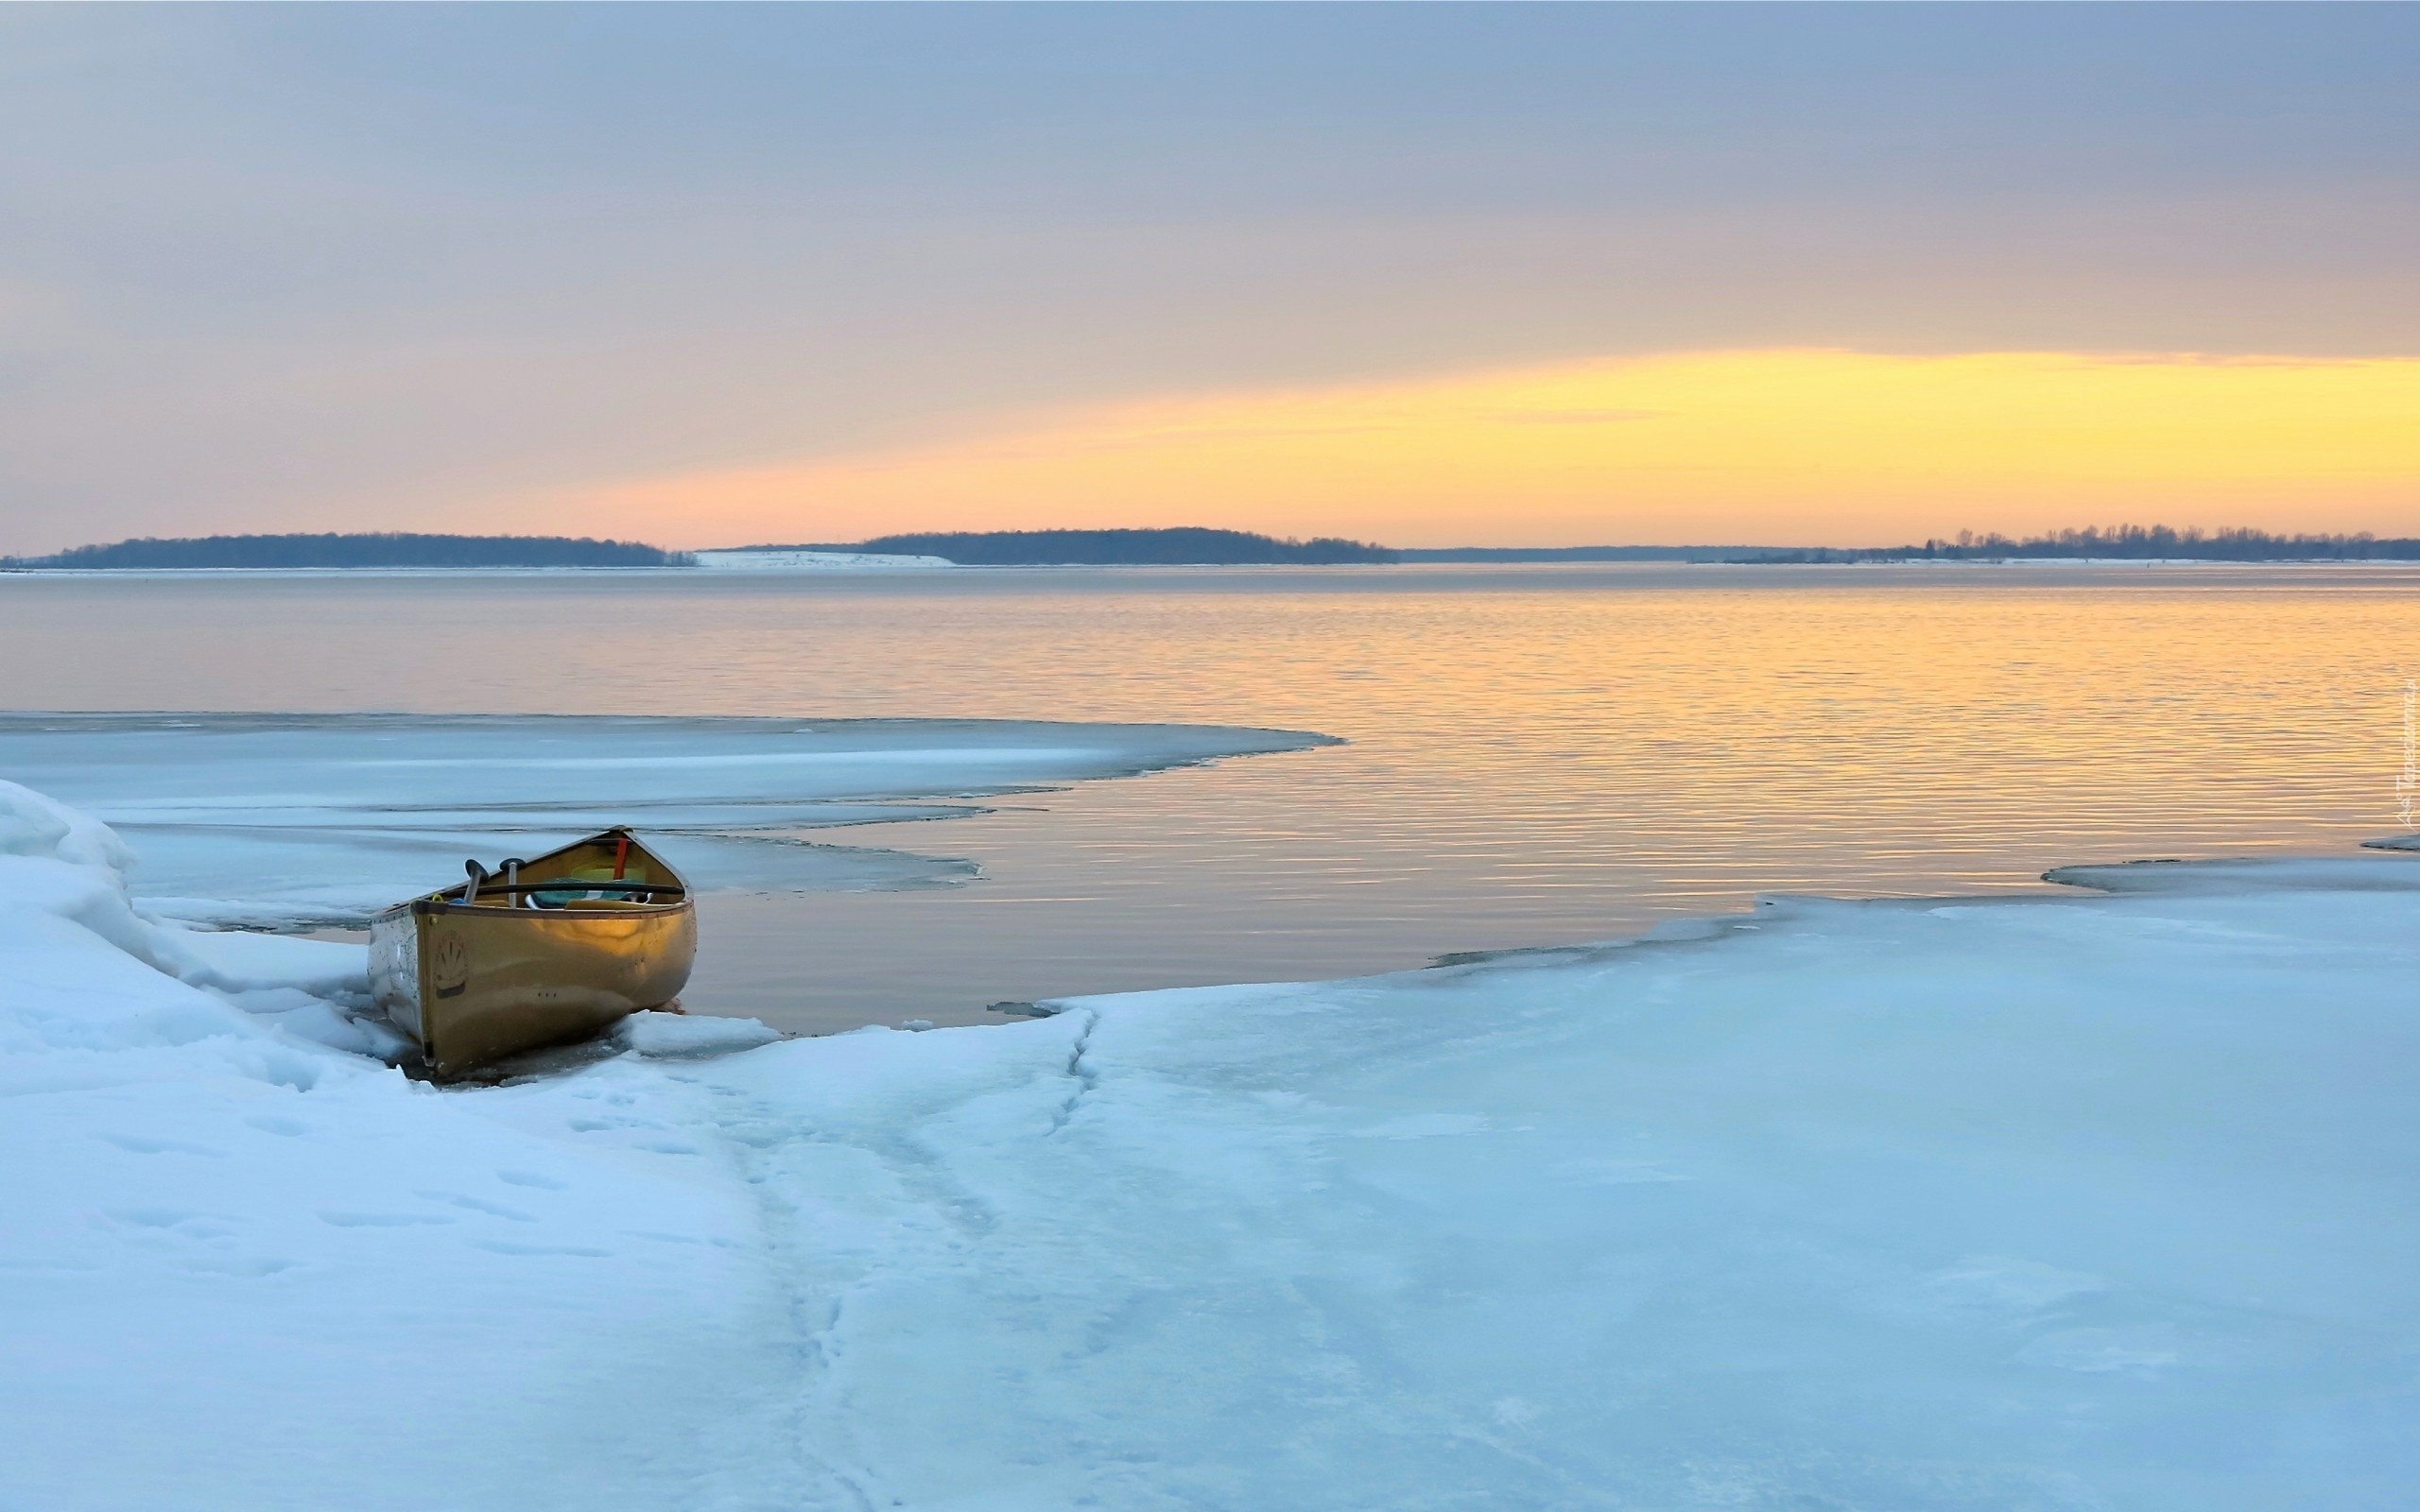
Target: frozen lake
[2060, 1202]
[1535, 755]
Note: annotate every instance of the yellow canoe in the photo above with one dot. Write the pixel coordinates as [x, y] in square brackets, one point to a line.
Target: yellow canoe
[554, 948]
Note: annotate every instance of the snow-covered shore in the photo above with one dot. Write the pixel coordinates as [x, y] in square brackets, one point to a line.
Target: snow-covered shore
[2102, 1202]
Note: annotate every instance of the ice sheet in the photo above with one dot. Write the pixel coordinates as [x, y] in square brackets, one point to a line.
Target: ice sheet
[293, 819]
[2085, 1203]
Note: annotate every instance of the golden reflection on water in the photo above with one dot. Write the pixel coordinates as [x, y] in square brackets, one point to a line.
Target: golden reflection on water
[1538, 755]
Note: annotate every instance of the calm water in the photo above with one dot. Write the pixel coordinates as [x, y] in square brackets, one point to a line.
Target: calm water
[1538, 755]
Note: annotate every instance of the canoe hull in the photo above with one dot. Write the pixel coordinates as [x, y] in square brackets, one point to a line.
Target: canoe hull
[604, 929]
[472, 983]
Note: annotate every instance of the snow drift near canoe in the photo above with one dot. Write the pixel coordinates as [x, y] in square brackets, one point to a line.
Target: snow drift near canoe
[2014, 1204]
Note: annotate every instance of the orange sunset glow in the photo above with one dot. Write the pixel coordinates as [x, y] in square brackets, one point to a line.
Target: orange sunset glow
[1725, 446]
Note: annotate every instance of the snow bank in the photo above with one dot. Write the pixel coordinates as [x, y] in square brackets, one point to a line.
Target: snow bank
[249, 1270]
[272, 820]
[2102, 1202]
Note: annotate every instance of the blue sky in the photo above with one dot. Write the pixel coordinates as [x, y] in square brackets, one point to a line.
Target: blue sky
[373, 266]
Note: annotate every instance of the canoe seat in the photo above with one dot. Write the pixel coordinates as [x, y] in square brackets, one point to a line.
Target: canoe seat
[566, 892]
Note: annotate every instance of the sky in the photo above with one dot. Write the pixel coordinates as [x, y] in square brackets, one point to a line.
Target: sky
[1430, 275]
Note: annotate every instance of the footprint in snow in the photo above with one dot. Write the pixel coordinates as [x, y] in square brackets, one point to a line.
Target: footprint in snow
[242, 1265]
[493, 1209]
[578, 1251]
[145, 1145]
[151, 1217]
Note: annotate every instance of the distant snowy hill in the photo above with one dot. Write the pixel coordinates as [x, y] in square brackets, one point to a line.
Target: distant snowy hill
[786, 560]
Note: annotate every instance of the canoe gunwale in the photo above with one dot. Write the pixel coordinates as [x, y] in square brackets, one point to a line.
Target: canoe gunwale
[451, 905]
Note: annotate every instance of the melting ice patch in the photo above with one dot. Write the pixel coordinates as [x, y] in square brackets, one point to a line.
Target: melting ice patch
[674, 1034]
[2102, 1202]
[272, 820]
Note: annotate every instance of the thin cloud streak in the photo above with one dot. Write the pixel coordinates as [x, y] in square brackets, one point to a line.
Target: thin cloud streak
[1792, 445]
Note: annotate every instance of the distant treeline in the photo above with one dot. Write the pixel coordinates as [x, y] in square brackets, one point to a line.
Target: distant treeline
[2125, 543]
[1187, 547]
[1183, 546]
[383, 549]
[1521, 554]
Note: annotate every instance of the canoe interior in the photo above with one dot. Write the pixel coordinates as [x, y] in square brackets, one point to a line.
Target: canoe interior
[577, 938]
[615, 856]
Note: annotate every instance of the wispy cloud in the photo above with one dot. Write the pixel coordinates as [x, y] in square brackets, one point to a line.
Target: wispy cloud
[1789, 444]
